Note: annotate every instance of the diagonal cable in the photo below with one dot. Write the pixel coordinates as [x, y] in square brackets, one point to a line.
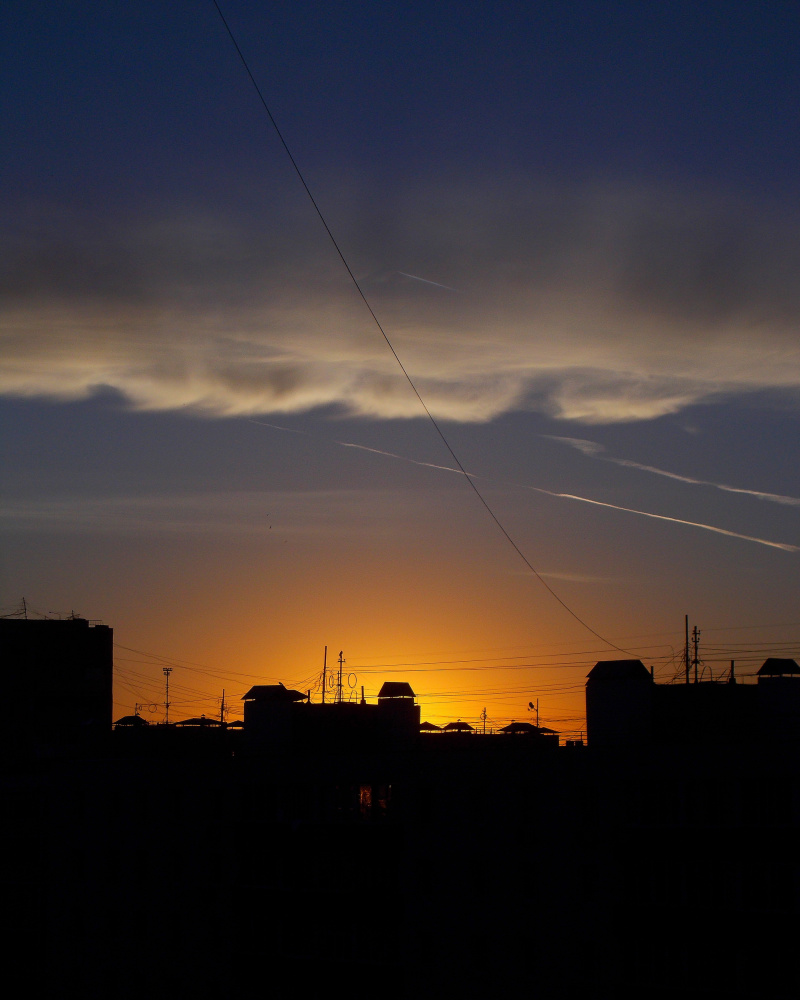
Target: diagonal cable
[402, 367]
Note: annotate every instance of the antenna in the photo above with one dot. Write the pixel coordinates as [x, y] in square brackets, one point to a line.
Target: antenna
[167, 671]
[339, 695]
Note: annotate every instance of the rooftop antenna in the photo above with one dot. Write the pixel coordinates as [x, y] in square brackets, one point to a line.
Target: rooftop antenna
[339, 695]
[167, 671]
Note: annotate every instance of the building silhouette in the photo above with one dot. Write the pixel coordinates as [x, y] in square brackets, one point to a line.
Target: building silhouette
[626, 708]
[63, 670]
[337, 848]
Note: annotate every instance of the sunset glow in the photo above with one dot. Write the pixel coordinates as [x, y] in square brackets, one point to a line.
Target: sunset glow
[579, 232]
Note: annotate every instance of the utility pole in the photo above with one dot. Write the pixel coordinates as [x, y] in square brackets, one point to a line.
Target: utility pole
[324, 673]
[696, 643]
[339, 695]
[686, 647]
[167, 672]
[222, 709]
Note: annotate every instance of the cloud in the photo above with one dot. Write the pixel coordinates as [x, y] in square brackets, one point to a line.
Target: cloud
[594, 305]
[247, 513]
[581, 578]
[590, 448]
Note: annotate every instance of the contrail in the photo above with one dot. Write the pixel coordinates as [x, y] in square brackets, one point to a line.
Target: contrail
[678, 520]
[278, 427]
[403, 458]
[758, 494]
[593, 450]
[426, 282]
[784, 546]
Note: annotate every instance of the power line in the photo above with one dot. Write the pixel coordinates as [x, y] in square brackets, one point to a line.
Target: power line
[402, 367]
[185, 664]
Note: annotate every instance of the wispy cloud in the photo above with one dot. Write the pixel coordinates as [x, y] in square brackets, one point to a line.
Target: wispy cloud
[247, 513]
[580, 578]
[595, 450]
[590, 304]
[591, 448]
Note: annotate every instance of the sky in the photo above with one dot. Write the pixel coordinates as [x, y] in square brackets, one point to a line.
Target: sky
[577, 224]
